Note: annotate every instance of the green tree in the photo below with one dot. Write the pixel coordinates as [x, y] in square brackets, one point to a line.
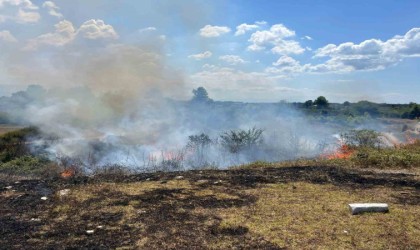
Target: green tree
[308, 104]
[415, 113]
[321, 102]
[201, 95]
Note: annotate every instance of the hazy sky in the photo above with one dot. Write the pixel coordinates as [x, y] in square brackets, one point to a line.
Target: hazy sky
[238, 50]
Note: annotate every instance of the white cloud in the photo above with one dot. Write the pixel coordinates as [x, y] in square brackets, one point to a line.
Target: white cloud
[261, 22]
[65, 33]
[286, 61]
[232, 59]
[255, 47]
[243, 28]
[285, 66]
[372, 54]
[286, 47]
[213, 31]
[27, 16]
[24, 11]
[6, 36]
[97, 29]
[52, 8]
[307, 38]
[147, 29]
[26, 4]
[278, 38]
[201, 56]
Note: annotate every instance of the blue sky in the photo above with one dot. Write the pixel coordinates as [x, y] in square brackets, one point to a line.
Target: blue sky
[259, 51]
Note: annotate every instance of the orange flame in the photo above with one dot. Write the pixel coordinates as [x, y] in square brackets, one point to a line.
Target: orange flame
[343, 152]
[172, 156]
[166, 156]
[68, 173]
[410, 140]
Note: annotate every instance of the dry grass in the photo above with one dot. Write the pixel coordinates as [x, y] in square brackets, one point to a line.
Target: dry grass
[6, 128]
[307, 216]
[295, 208]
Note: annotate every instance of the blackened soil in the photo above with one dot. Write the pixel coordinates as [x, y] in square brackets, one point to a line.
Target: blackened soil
[166, 214]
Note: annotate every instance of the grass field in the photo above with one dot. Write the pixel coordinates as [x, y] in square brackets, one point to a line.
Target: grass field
[5, 128]
[264, 207]
[300, 204]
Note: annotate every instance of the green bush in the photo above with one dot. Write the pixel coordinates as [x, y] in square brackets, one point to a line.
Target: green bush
[237, 140]
[14, 144]
[404, 157]
[25, 165]
[364, 138]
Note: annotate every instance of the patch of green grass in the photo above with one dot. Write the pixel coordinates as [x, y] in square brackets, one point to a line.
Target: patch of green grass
[13, 144]
[407, 156]
[402, 157]
[26, 165]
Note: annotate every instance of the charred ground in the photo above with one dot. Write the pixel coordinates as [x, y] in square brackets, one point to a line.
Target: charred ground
[263, 207]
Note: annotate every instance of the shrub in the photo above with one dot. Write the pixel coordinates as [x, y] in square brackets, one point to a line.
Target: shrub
[26, 165]
[198, 141]
[199, 146]
[14, 144]
[361, 138]
[238, 140]
[387, 158]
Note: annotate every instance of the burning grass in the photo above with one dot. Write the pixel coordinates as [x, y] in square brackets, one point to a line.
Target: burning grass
[401, 156]
[299, 204]
[343, 152]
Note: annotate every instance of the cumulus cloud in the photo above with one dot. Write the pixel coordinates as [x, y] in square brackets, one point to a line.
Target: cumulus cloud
[52, 8]
[213, 31]
[27, 16]
[243, 28]
[372, 54]
[232, 59]
[6, 36]
[286, 65]
[65, 33]
[278, 38]
[285, 61]
[24, 11]
[97, 29]
[27, 4]
[201, 56]
[286, 47]
[307, 38]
